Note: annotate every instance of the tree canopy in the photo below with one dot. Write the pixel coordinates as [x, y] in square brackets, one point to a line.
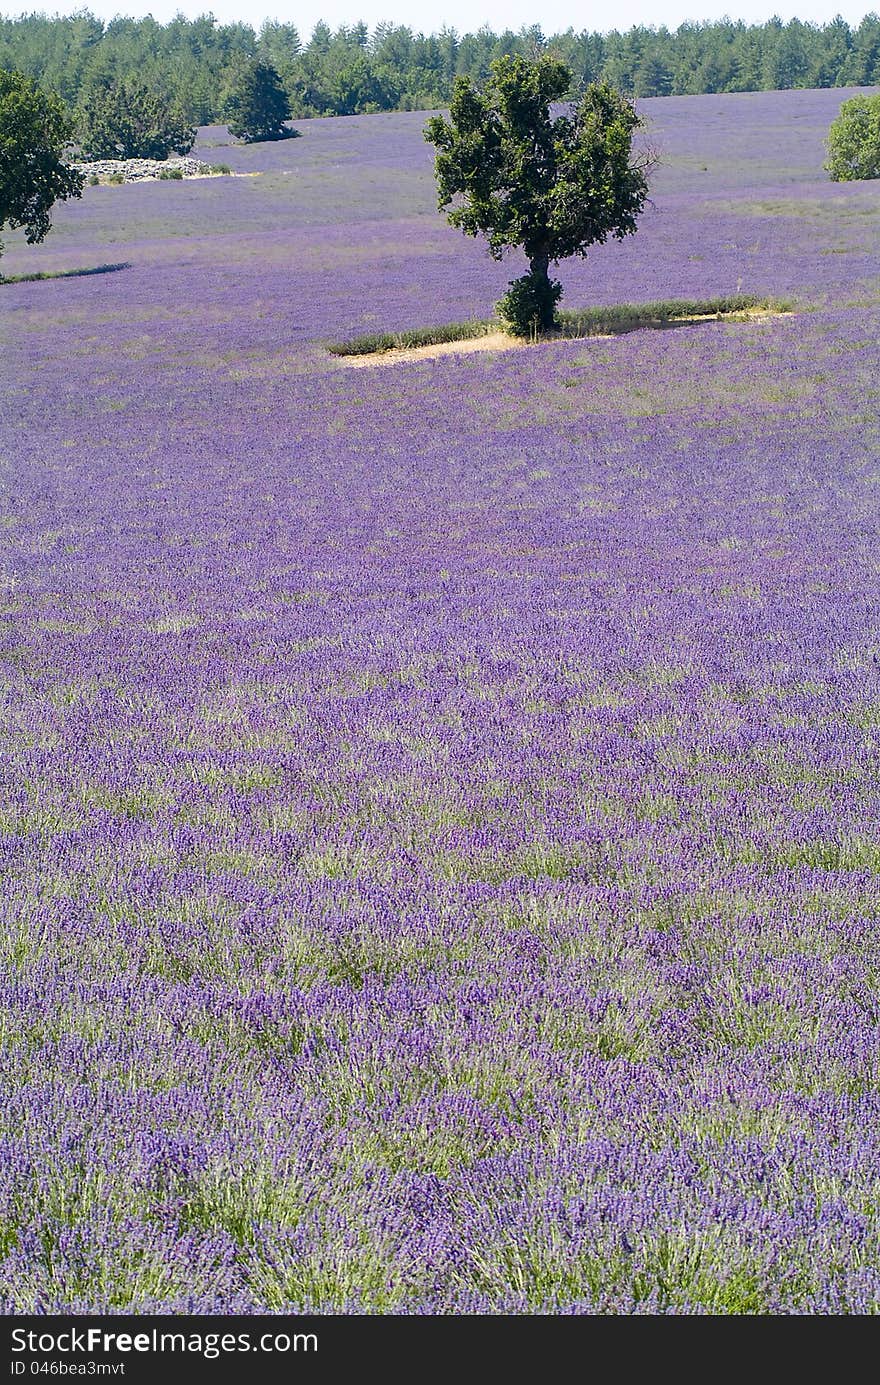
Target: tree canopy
[509, 170]
[127, 120]
[34, 129]
[257, 105]
[854, 140]
[348, 70]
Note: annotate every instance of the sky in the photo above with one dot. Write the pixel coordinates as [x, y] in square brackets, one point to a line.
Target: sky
[465, 15]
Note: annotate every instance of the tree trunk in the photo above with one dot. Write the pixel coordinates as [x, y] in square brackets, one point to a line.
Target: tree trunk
[539, 267]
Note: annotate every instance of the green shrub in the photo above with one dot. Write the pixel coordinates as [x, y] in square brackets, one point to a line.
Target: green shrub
[854, 140]
[174, 173]
[116, 178]
[93, 181]
[529, 301]
[220, 168]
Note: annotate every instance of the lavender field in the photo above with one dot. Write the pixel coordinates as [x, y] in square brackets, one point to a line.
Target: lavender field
[439, 816]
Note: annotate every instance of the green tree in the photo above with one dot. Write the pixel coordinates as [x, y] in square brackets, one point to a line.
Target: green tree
[863, 63]
[34, 129]
[192, 61]
[854, 140]
[124, 120]
[257, 104]
[510, 171]
[653, 77]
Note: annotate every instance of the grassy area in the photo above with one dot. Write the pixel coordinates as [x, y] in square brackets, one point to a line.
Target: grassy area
[574, 322]
[63, 273]
[629, 317]
[418, 336]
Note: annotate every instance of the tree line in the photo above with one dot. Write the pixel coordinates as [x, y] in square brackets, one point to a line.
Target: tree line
[194, 64]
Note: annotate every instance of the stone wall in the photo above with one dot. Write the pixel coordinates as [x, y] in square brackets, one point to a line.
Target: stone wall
[139, 170]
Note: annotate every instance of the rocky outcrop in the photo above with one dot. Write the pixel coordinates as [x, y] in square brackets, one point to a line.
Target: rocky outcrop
[140, 170]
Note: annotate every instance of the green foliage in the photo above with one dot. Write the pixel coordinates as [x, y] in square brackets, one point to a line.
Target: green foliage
[257, 105]
[608, 320]
[127, 120]
[65, 273]
[418, 336]
[176, 174]
[34, 128]
[510, 171]
[529, 302]
[349, 70]
[854, 140]
[615, 319]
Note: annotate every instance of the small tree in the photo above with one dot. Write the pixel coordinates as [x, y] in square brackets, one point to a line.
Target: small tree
[257, 104]
[854, 140]
[123, 120]
[34, 128]
[554, 186]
